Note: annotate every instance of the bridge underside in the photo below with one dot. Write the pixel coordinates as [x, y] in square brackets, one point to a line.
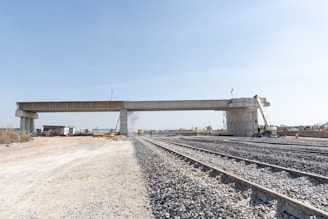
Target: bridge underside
[242, 118]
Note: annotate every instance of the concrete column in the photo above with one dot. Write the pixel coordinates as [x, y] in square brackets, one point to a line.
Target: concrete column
[26, 120]
[31, 125]
[242, 122]
[124, 122]
[22, 123]
[27, 125]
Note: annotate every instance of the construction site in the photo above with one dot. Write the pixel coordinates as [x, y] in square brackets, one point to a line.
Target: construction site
[249, 170]
[163, 109]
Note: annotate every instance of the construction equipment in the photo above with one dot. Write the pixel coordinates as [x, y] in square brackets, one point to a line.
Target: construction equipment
[269, 130]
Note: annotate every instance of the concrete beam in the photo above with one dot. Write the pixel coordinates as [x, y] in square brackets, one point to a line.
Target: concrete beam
[190, 104]
[71, 106]
[26, 114]
[115, 106]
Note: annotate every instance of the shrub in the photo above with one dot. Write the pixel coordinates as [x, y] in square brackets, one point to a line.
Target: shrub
[8, 136]
[25, 136]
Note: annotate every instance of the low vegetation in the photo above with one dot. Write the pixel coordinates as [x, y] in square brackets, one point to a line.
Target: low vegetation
[8, 136]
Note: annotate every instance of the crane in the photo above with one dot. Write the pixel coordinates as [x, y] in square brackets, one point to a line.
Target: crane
[269, 130]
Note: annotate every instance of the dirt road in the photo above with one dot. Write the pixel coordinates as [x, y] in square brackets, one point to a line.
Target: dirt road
[72, 177]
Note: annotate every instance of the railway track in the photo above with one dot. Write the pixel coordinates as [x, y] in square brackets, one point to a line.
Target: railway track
[292, 206]
[306, 162]
[322, 179]
[250, 143]
[299, 150]
[318, 144]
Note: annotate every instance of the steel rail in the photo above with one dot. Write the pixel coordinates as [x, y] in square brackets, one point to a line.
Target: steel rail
[288, 150]
[247, 142]
[294, 207]
[280, 143]
[320, 178]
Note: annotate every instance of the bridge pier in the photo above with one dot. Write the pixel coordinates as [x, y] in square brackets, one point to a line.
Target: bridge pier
[26, 120]
[124, 122]
[242, 122]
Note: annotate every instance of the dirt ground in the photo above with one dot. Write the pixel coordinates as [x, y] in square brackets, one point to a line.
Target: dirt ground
[71, 177]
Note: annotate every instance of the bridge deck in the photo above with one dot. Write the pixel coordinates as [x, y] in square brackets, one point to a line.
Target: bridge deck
[71, 106]
[114, 106]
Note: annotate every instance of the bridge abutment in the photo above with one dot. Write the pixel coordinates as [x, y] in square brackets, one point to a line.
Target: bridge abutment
[26, 120]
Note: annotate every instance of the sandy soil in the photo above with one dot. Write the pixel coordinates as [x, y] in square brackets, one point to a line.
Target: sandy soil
[72, 177]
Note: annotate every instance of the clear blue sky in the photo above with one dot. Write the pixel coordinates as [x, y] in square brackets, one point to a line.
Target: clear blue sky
[164, 50]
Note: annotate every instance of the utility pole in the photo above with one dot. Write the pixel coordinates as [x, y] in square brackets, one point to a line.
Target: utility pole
[111, 94]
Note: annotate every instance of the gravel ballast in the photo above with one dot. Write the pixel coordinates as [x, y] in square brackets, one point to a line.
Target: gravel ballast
[178, 190]
[303, 189]
[263, 152]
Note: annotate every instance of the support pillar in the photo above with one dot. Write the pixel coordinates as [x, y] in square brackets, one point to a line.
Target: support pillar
[26, 120]
[124, 122]
[242, 122]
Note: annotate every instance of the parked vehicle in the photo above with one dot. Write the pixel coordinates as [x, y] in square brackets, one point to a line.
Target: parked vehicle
[47, 133]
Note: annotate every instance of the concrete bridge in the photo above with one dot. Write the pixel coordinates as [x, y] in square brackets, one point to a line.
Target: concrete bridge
[242, 117]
